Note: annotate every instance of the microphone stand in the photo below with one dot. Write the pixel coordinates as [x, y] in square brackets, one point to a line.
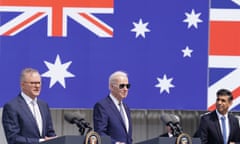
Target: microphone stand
[81, 130]
[82, 127]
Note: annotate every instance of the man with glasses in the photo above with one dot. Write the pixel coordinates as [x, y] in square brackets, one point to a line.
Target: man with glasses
[111, 115]
[26, 119]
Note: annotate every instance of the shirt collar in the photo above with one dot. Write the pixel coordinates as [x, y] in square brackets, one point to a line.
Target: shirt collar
[220, 115]
[115, 101]
[27, 98]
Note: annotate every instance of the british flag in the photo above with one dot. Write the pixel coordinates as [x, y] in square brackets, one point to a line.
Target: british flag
[224, 50]
[57, 13]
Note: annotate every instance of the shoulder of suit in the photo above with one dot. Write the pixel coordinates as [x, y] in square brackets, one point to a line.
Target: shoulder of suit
[13, 103]
[206, 114]
[15, 100]
[231, 115]
[237, 117]
[105, 101]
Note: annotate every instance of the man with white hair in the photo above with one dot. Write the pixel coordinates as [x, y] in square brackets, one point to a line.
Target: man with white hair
[111, 115]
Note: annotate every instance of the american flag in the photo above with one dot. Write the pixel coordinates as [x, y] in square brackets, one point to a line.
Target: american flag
[77, 44]
[224, 50]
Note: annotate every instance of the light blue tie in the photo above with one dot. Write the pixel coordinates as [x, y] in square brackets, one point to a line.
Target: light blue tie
[122, 113]
[224, 133]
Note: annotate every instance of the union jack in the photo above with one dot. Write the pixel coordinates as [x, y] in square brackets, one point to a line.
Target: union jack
[57, 12]
[224, 54]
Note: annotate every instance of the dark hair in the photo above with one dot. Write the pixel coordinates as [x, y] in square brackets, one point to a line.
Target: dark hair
[225, 92]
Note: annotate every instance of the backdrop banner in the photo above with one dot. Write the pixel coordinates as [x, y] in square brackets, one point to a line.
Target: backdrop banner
[76, 45]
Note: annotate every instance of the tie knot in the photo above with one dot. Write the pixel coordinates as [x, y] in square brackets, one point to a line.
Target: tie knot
[33, 102]
[223, 118]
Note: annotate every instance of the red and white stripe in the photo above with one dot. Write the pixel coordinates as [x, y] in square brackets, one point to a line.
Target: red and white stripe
[57, 12]
[224, 52]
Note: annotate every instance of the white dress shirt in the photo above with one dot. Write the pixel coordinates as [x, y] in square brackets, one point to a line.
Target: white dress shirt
[116, 102]
[35, 110]
[226, 123]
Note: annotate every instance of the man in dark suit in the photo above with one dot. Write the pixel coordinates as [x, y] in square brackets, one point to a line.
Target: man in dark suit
[219, 126]
[169, 132]
[170, 121]
[26, 119]
[111, 115]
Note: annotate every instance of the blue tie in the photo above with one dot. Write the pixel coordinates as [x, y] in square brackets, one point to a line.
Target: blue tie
[224, 133]
[122, 113]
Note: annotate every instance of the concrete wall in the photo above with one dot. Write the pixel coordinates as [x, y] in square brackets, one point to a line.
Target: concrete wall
[146, 123]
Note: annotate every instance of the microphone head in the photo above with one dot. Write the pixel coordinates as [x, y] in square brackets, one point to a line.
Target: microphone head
[175, 118]
[166, 119]
[71, 117]
[78, 115]
[176, 121]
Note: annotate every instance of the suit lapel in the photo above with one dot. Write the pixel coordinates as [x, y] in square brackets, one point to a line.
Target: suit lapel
[127, 111]
[230, 126]
[28, 112]
[217, 125]
[129, 118]
[41, 109]
[116, 111]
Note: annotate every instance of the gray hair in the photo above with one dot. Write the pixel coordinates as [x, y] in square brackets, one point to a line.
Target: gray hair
[27, 71]
[113, 76]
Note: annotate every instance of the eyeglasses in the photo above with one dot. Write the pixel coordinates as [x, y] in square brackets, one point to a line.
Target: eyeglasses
[121, 86]
[34, 83]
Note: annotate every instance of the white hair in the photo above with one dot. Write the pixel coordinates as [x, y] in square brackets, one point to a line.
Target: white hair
[113, 76]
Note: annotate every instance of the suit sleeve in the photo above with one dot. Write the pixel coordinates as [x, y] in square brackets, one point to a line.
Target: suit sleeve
[100, 118]
[235, 129]
[11, 125]
[49, 126]
[203, 130]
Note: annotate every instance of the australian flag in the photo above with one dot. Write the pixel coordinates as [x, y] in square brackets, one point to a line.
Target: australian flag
[224, 50]
[77, 44]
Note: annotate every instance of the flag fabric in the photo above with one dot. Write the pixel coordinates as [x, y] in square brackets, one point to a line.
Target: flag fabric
[77, 44]
[31, 11]
[224, 50]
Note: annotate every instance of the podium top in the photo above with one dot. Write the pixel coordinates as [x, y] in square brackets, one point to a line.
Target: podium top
[167, 140]
[74, 139]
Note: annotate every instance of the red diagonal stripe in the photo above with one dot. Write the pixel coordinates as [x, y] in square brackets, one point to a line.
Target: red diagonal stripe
[235, 93]
[19, 26]
[97, 23]
[57, 8]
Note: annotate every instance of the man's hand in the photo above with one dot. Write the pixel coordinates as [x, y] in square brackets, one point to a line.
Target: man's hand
[120, 143]
[48, 138]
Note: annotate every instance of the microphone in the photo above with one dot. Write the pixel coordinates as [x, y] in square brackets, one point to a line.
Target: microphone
[77, 118]
[166, 118]
[176, 122]
[73, 118]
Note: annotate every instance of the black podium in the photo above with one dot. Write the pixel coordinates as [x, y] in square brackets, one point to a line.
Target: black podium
[74, 140]
[167, 140]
